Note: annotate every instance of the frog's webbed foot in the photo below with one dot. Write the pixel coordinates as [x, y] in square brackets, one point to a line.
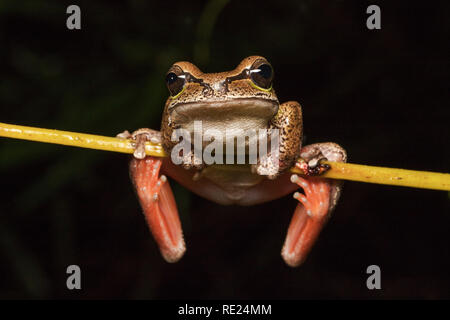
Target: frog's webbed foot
[158, 203]
[141, 136]
[319, 199]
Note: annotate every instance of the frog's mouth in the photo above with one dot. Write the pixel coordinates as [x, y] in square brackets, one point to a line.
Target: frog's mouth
[239, 113]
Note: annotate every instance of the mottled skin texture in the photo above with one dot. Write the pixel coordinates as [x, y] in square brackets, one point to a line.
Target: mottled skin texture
[289, 121]
[209, 89]
[234, 100]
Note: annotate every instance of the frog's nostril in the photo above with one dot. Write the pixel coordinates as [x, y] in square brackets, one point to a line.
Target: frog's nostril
[208, 90]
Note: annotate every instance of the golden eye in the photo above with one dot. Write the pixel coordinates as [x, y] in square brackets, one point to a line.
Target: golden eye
[175, 80]
[261, 74]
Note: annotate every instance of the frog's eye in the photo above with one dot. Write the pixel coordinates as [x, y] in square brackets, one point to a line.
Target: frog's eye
[175, 83]
[262, 75]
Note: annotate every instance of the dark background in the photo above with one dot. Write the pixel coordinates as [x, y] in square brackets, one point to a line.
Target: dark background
[382, 94]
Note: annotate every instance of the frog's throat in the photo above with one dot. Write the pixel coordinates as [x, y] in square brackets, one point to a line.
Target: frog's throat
[225, 116]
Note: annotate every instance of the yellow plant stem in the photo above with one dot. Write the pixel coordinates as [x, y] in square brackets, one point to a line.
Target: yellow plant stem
[75, 139]
[390, 176]
[344, 171]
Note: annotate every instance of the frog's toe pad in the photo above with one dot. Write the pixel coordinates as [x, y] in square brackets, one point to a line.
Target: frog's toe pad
[124, 135]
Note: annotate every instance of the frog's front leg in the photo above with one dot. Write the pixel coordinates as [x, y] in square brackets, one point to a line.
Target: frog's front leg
[155, 196]
[319, 199]
[168, 141]
[289, 126]
[140, 136]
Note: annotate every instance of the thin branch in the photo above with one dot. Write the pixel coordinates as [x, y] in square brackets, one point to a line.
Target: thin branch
[344, 171]
[75, 139]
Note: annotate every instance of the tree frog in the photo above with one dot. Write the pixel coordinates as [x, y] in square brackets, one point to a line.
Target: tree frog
[243, 98]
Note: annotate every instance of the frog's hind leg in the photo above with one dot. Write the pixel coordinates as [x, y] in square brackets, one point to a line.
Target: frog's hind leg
[158, 203]
[309, 217]
[316, 204]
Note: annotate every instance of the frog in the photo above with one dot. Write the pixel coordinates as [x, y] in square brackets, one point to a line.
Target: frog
[243, 98]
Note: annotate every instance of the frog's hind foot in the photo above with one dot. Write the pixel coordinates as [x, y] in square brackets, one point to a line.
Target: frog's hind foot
[158, 203]
[316, 204]
[308, 219]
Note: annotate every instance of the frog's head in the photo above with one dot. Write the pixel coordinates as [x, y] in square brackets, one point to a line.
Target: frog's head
[241, 98]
